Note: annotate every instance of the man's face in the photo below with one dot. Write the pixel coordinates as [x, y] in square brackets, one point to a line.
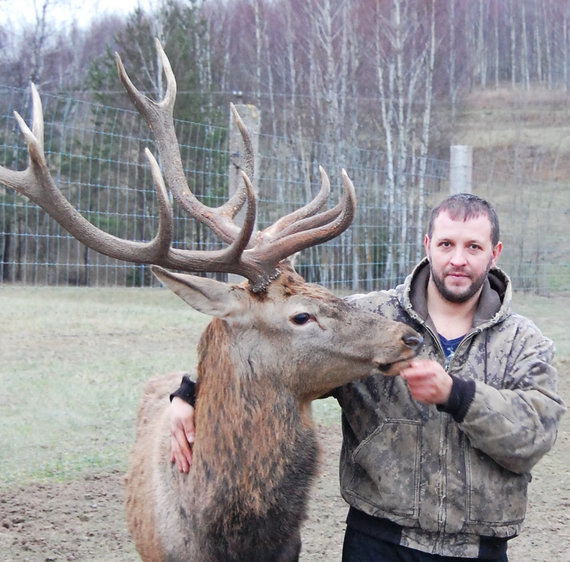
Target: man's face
[460, 254]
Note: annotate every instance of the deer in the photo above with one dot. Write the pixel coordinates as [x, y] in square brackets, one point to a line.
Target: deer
[275, 343]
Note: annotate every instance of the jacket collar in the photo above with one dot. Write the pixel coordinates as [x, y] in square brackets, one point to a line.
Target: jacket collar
[494, 303]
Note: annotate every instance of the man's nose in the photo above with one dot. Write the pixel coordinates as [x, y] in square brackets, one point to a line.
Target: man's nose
[458, 257]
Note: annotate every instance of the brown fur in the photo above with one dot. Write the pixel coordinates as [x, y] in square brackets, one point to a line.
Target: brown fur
[256, 452]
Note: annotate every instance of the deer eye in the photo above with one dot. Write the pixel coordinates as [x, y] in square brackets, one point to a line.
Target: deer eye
[301, 318]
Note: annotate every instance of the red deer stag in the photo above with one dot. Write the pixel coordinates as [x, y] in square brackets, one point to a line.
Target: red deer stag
[275, 344]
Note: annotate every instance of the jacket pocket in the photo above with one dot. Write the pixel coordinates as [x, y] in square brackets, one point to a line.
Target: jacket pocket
[390, 460]
[494, 494]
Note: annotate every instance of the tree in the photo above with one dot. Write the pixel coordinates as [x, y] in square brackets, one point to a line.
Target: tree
[405, 50]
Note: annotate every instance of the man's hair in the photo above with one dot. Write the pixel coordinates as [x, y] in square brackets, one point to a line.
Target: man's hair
[466, 206]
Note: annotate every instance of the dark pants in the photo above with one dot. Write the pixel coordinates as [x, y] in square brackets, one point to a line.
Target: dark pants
[359, 547]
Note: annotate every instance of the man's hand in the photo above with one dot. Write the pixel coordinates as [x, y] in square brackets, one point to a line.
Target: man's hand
[428, 381]
[182, 433]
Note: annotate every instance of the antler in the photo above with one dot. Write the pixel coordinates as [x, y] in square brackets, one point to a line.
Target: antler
[252, 255]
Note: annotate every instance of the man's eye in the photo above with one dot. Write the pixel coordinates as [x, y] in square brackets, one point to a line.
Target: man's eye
[301, 318]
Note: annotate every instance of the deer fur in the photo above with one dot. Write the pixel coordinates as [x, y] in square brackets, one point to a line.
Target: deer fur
[256, 452]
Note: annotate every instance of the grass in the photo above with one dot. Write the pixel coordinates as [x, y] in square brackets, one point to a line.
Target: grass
[74, 362]
[73, 365]
[550, 314]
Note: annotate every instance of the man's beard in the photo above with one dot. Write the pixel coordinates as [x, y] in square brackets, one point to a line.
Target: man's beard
[465, 294]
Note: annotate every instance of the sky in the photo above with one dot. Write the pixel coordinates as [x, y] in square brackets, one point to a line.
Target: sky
[64, 11]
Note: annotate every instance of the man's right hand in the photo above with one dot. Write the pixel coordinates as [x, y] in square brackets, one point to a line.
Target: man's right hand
[182, 433]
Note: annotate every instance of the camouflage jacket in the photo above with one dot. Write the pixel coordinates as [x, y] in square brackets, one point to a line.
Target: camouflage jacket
[447, 482]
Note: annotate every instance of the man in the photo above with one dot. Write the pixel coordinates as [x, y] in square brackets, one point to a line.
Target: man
[435, 462]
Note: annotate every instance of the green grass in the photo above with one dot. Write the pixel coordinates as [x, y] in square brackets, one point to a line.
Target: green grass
[74, 362]
[73, 365]
[550, 314]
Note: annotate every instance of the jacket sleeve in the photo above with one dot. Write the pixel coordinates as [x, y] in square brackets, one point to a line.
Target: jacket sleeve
[186, 391]
[516, 425]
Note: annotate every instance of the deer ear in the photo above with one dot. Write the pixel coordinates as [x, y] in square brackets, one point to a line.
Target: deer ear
[204, 295]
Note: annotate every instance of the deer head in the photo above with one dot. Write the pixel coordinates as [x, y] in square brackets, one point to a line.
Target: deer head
[259, 256]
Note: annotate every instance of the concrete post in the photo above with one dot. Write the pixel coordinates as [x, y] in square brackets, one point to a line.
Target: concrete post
[460, 169]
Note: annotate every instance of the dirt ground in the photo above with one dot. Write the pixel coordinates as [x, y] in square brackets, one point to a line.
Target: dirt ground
[84, 520]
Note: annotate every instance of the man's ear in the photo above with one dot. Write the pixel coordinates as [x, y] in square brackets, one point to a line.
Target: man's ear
[426, 246]
[496, 252]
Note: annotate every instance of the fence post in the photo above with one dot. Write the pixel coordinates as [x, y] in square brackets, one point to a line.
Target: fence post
[251, 117]
[460, 169]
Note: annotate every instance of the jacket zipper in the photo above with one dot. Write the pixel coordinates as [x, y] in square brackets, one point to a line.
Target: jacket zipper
[443, 437]
[449, 359]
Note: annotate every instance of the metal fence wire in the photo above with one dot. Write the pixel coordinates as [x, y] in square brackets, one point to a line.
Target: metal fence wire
[95, 154]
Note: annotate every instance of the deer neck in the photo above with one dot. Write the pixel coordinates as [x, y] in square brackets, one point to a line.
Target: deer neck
[248, 432]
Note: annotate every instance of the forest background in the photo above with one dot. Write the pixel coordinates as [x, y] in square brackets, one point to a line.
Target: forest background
[390, 84]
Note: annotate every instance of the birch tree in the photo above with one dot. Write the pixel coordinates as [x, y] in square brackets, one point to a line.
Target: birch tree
[525, 55]
[497, 59]
[513, 35]
[403, 45]
[481, 47]
[451, 52]
[426, 128]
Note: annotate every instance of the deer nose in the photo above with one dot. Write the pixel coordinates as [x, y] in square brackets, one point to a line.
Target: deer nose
[413, 340]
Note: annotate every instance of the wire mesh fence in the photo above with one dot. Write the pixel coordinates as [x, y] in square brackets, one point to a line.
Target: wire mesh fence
[96, 157]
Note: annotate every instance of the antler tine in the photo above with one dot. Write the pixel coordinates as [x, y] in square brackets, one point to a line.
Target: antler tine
[159, 117]
[249, 163]
[234, 252]
[310, 231]
[37, 123]
[35, 141]
[163, 238]
[37, 184]
[315, 205]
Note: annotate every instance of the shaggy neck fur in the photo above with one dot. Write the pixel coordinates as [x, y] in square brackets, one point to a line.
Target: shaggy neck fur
[252, 497]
